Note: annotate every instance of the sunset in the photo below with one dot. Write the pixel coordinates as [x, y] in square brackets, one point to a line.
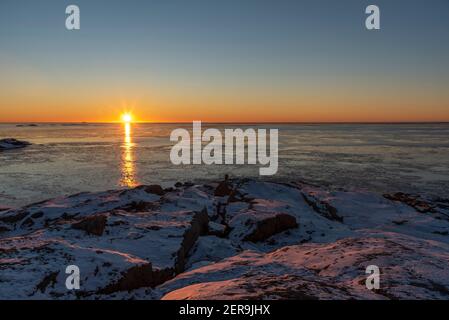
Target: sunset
[238, 158]
[305, 63]
[126, 117]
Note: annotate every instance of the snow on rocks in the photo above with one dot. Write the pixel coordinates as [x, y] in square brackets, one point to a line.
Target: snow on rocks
[116, 247]
[10, 143]
[210, 249]
[411, 269]
[238, 239]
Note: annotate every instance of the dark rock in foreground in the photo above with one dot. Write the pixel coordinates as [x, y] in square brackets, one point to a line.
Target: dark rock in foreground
[258, 226]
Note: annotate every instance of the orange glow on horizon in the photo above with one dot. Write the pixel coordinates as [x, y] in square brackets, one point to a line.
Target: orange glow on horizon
[307, 111]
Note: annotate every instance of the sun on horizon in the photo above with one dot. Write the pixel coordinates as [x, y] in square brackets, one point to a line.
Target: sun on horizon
[127, 117]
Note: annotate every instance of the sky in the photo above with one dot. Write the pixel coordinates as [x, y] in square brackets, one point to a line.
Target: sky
[224, 61]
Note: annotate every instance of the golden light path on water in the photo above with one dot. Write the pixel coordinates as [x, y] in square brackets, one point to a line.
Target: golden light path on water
[128, 178]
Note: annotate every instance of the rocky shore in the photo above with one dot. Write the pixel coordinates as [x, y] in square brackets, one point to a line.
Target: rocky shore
[10, 143]
[235, 239]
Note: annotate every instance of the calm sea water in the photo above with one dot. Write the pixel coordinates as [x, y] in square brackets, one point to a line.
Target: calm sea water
[66, 159]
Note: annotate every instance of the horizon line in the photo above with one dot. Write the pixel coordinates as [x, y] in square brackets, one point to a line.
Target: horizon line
[227, 122]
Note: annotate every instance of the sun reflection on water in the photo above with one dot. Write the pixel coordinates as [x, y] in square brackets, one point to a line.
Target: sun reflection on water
[128, 178]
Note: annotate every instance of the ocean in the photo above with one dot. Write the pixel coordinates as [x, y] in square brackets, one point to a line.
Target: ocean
[70, 158]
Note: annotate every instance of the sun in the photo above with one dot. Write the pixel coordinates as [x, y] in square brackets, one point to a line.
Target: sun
[127, 118]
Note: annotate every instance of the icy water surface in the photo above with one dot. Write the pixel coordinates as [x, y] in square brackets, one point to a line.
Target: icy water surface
[70, 158]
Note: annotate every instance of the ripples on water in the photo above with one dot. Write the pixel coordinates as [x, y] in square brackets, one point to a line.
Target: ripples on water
[66, 159]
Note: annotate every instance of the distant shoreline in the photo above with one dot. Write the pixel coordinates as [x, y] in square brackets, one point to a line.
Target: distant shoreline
[234, 123]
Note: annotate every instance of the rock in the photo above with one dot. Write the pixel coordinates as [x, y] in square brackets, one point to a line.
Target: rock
[400, 222]
[255, 287]
[257, 226]
[53, 255]
[10, 143]
[224, 188]
[13, 216]
[321, 271]
[217, 229]
[148, 276]
[92, 225]
[27, 125]
[323, 208]
[413, 201]
[37, 215]
[268, 226]
[199, 226]
[4, 228]
[138, 277]
[235, 196]
[251, 249]
[210, 249]
[27, 223]
[137, 249]
[154, 188]
[442, 233]
[139, 206]
[49, 280]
